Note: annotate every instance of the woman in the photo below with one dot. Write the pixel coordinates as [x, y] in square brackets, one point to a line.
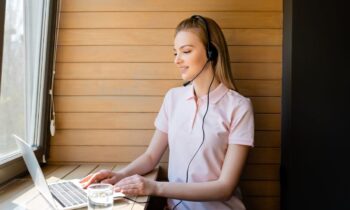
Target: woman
[208, 127]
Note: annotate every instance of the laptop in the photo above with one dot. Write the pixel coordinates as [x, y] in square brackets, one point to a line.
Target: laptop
[67, 194]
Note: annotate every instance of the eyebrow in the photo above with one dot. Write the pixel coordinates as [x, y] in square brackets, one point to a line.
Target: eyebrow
[186, 45]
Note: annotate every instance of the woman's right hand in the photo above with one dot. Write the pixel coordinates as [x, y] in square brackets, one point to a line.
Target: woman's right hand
[103, 176]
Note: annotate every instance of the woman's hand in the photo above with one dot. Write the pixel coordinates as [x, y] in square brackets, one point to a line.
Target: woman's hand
[103, 176]
[136, 185]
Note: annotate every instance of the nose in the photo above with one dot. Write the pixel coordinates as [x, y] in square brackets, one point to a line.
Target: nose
[177, 59]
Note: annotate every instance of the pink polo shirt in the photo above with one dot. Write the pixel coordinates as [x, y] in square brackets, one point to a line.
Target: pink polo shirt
[230, 120]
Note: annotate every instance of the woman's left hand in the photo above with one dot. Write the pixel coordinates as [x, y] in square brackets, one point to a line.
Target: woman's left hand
[135, 185]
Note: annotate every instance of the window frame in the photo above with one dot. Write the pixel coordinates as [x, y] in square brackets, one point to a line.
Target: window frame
[2, 29]
[16, 167]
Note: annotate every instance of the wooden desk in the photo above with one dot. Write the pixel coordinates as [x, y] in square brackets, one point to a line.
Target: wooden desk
[21, 193]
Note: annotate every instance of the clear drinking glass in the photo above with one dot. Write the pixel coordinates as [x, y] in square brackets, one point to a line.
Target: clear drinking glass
[100, 196]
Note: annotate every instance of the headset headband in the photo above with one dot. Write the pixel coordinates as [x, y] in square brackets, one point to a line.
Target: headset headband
[211, 51]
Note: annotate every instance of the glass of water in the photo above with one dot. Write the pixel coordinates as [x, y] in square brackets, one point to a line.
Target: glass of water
[100, 196]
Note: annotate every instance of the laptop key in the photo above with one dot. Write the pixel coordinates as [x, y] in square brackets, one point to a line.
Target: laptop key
[68, 194]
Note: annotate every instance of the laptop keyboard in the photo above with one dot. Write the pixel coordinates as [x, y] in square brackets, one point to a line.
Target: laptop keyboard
[68, 194]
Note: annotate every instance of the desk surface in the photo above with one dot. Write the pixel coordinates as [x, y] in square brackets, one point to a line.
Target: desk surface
[21, 194]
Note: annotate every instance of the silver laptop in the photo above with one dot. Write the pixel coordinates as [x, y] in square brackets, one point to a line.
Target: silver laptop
[61, 195]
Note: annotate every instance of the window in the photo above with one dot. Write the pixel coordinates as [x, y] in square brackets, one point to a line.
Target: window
[12, 112]
[2, 19]
[22, 98]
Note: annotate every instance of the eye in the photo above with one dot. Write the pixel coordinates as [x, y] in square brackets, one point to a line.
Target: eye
[175, 54]
[187, 51]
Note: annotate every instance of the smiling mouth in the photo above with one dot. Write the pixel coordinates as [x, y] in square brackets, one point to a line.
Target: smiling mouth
[183, 69]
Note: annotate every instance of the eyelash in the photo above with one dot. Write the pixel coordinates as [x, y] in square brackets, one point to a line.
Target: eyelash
[175, 54]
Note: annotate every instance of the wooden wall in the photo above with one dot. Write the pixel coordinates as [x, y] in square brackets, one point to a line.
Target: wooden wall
[115, 63]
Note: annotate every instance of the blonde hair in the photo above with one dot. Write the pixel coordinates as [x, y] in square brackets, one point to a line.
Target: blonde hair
[221, 64]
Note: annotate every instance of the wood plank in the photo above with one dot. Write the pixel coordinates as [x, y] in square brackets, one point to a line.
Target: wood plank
[130, 153]
[257, 70]
[264, 156]
[18, 187]
[101, 153]
[168, 20]
[157, 71]
[158, 54]
[159, 37]
[271, 122]
[108, 103]
[103, 166]
[170, 5]
[163, 173]
[261, 172]
[138, 121]
[260, 188]
[253, 36]
[105, 120]
[81, 171]
[114, 87]
[136, 138]
[267, 139]
[116, 71]
[255, 53]
[31, 194]
[267, 105]
[141, 104]
[104, 137]
[262, 203]
[77, 173]
[249, 88]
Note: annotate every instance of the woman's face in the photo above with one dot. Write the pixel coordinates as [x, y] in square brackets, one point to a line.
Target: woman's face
[190, 54]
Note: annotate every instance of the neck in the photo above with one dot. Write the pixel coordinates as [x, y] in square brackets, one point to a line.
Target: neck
[202, 83]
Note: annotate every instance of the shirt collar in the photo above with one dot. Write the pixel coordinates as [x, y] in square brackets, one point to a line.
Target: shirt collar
[214, 96]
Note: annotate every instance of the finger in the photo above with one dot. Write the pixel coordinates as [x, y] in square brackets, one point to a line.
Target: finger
[130, 192]
[131, 186]
[85, 178]
[125, 181]
[129, 189]
[111, 180]
[130, 179]
[93, 179]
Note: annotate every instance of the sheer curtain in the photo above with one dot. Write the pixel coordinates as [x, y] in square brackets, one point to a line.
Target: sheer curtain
[21, 100]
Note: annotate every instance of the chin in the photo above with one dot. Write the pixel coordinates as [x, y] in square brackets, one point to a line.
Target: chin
[185, 77]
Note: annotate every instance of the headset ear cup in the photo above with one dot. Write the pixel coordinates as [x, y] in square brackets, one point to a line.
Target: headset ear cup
[212, 52]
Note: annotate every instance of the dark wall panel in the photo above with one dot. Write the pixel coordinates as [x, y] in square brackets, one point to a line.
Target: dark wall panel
[315, 107]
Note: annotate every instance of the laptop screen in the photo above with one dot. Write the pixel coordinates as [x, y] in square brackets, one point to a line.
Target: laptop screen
[34, 169]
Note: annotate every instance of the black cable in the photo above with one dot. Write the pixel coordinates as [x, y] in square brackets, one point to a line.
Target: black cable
[205, 114]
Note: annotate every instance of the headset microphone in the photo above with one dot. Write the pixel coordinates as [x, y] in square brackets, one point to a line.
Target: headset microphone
[188, 82]
[212, 52]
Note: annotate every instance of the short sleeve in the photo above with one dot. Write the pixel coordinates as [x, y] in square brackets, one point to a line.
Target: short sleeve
[162, 119]
[242, 125]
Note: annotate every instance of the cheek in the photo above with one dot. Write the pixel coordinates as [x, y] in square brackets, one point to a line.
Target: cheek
[197, 59]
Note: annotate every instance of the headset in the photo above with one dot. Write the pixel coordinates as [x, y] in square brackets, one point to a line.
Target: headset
[211, 50]
[212, 54]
